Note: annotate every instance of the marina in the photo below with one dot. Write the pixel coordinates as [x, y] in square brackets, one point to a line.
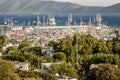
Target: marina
[50, 31]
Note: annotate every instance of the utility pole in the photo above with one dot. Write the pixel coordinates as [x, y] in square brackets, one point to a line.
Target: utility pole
[38, 63]
[76, 50]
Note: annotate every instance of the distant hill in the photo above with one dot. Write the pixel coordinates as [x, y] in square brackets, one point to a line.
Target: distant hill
[111, 9]
[44, 7]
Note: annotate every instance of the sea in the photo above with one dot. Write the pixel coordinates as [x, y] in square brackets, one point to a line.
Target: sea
[112, 20]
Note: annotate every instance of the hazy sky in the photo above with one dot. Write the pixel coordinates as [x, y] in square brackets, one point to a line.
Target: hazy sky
[93, 2]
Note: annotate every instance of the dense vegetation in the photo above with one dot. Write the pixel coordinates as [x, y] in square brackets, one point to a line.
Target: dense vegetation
[105, 72]
[90, 51]
[7, 71]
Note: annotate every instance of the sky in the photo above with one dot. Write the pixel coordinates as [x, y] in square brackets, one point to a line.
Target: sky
[93, 2]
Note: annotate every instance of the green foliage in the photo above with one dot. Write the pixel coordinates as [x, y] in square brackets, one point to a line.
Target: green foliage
[86, 44]
[46, 59]
[105, 58]
[3, 40]
[54, 68]
[65, 46]
[55, 45]
[101, 48]
[22, 57]
[24, 46]
[109, 44]
[100, 58]
[90, 51]
[104, 72]
[35, 50]
[59, 56]
[11, 49]
[7, 71]
[33, 74]
[116, 47]
[64, 69]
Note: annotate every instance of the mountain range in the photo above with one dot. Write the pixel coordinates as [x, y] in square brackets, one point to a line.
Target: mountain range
[44, 7]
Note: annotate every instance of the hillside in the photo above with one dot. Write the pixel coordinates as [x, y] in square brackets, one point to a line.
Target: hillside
[44, 7]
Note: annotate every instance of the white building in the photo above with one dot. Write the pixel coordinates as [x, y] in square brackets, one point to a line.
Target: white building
[0, 53]
[6, 46]
[46, 66]
[92, 66]
[63, 77]
[22, 65]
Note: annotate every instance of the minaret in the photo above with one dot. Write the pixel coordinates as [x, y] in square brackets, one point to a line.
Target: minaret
[99, 20]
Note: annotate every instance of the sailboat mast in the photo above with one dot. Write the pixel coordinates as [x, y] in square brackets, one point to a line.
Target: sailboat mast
[38, 20]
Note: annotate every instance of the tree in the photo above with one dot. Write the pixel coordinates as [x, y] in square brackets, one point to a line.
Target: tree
[59, 56]
[109, 44]
[7, 71]
[11, 49]
[22, 57]
[101, 48]
[116, 47]
[104, 72]
[100, 58]
[64, 45]
[35, 75]
[55, 45]
[105, 58]
[35, 50]
[63, 69]
[3, 40]
[23, 46]
[86, 44]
